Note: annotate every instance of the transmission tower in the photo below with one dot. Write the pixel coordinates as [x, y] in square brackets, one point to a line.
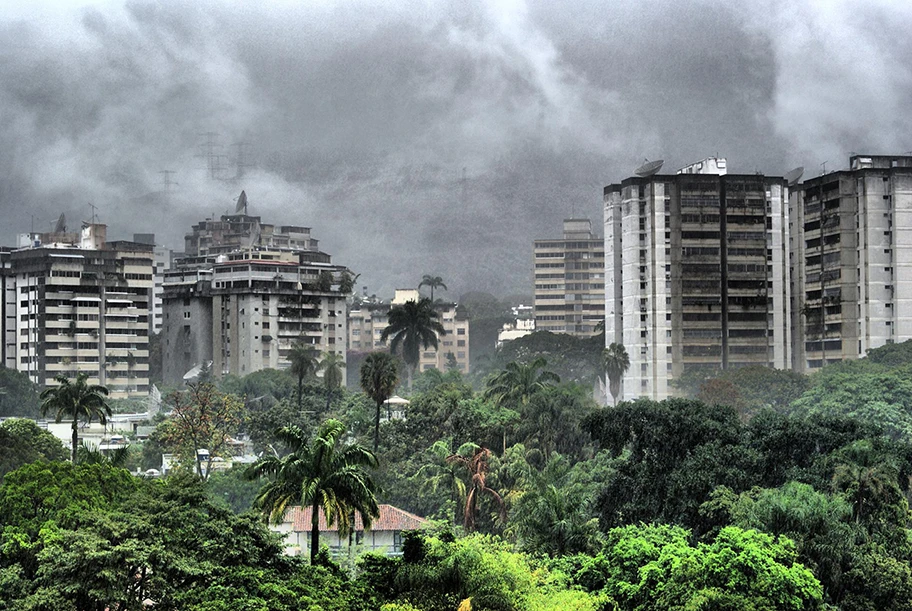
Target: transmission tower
[210, 150]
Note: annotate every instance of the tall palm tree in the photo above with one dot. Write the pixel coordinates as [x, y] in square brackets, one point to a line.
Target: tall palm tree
[303, 364]
[515, 385]
[477, 466]
[433, 282]
[379, 376]
[331, 366]
[77, 400]
[325, 474]
[413, 325]
[615, 363]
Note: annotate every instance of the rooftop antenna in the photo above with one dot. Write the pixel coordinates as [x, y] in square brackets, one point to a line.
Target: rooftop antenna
[94, 208]
[241, 204]
[649, 168]
[794, 176]
[823, 165]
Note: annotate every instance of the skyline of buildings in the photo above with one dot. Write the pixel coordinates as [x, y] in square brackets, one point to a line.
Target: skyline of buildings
[704, 270]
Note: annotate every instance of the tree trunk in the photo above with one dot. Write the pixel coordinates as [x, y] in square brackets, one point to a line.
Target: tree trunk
[377, 429]
[75, 437]
[315, 533]
[300, 390]
[329, 394]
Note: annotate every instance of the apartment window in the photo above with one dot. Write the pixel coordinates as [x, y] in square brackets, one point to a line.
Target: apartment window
[186, 314]
[460, 331]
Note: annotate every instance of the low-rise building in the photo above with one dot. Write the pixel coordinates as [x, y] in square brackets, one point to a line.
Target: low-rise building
[383, 537]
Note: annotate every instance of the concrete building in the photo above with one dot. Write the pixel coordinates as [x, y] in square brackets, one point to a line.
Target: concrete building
[161, 263]
[570, 281]
[240, 231]
[244, 311]
[852, 260]
[696, 266]
[74, 303]
[367, 321]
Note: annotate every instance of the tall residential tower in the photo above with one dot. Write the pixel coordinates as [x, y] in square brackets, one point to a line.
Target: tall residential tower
[852, 260]
[696, 275]
[569, 281]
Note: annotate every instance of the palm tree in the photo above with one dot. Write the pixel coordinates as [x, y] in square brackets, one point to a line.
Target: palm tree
[331, 366]
[615, 363]
[76, 400]
[518, 382]
[413, 325]
[441, 473]
[379, 376]
[325, 474]
[433, 282]
[477, 466]
[303, 364]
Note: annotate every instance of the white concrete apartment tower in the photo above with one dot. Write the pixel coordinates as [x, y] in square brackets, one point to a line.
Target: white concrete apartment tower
[696, 272]
[852, 260]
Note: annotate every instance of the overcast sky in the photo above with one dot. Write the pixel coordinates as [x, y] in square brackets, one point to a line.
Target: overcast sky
[425, 137]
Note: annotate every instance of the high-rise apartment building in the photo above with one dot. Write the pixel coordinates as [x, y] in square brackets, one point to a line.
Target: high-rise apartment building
[696, 274]
[76, 303]
[569, 281]
[161, 262]
[367, 321]
[245, 294]
[852, 260]
[247, 310]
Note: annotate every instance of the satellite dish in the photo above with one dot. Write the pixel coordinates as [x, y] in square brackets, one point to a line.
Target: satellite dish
[241, 204]
[61, 224]
[794, 176]
[649, 168]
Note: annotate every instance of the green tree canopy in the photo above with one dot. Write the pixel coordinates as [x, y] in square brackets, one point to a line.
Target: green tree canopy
[22, 442]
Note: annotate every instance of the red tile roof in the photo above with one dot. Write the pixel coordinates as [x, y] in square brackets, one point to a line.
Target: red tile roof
[391, 518]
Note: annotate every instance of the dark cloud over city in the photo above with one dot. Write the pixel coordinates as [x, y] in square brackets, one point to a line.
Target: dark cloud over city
[424, 137]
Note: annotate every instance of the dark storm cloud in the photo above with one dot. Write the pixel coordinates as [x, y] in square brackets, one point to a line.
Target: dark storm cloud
[425, 137]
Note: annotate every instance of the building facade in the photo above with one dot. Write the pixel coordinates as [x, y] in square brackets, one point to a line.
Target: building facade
[75, 303]
[367, 321]
[852, 260]
[245, 311]
[696, 270]
[570, 281]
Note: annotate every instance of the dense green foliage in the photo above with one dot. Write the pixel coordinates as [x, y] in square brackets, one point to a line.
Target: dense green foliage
[773, 492]
[19, 396]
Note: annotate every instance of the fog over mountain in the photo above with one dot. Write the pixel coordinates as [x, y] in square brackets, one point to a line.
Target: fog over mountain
[425, 137]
